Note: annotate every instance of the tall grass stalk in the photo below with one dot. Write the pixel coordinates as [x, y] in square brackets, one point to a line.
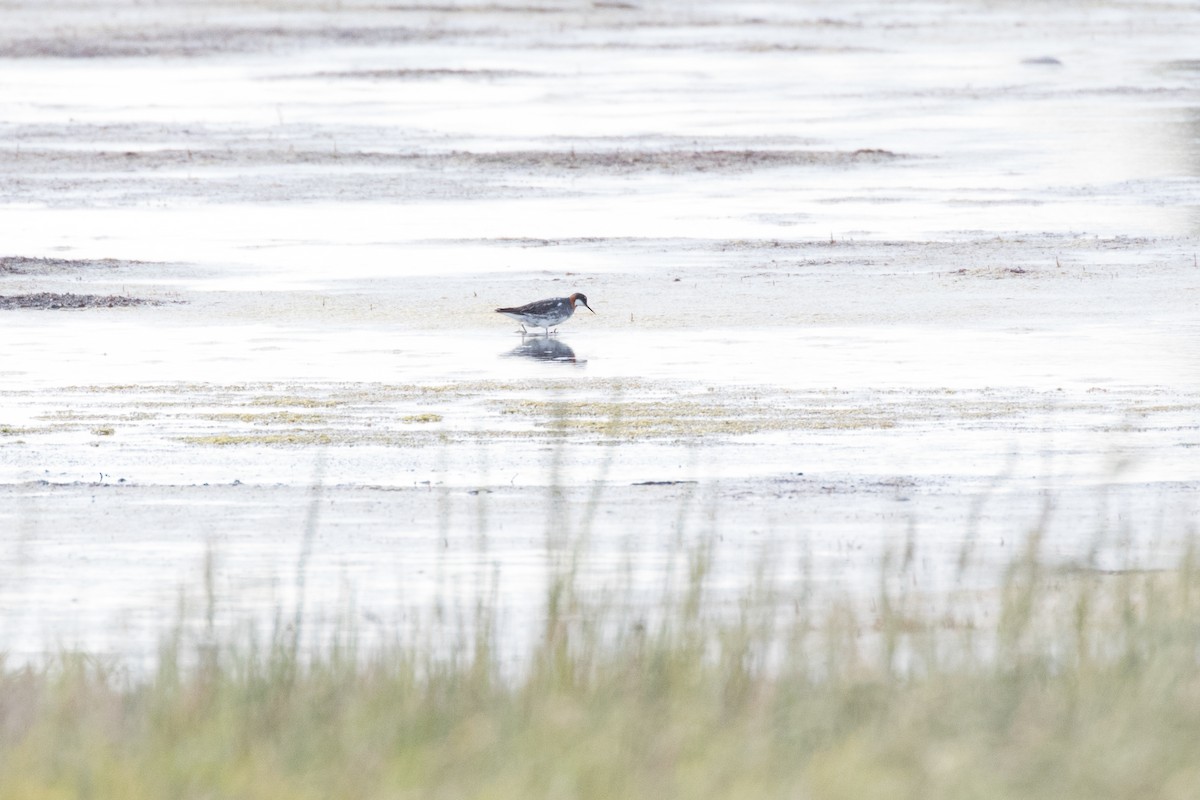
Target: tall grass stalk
[1087, 685]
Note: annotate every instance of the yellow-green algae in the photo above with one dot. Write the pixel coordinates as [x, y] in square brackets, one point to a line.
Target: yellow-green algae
[415, 437]
[18, 430]
[293, 401]
[267, 418]
[299, 437]
[674, 418]
[295, 413]
[422, 418]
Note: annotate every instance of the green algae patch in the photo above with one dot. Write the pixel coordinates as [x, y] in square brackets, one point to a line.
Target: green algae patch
[347, 414]
[324, 438]
[296, 438]
[22, 430]
[294, 401]
[34, 430]
[267, 418]
[687, 418]
[421, 418]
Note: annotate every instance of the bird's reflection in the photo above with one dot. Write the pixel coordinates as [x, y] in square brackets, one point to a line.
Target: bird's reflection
[544, 348]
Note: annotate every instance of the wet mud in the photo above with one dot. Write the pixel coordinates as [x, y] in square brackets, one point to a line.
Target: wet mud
[56, 301]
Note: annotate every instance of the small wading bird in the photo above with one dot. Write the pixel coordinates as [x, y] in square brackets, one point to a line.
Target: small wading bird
[546, 313]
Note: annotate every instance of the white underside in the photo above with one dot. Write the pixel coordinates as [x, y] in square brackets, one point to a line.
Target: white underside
[538, 322]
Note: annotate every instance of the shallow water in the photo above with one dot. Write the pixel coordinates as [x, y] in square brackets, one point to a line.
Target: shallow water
[1096, 356]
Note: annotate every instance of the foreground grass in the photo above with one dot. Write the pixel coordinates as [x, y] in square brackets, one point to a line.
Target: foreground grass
[1083, 685]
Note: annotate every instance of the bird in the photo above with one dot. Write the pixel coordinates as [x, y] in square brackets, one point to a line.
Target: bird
[546, 313]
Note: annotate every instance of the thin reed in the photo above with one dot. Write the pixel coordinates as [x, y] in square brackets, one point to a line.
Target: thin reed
[1067, 684]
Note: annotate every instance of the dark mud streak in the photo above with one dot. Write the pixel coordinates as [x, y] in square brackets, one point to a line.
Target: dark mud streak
[55, 301]
[109, 190]
[23, 265]
[667, 160]
[750, 47]
[193, 42]
[631, 160]
[413, 74]
[483, 8]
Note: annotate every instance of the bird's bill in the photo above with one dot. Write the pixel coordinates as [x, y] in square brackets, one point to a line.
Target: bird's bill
[589, 308]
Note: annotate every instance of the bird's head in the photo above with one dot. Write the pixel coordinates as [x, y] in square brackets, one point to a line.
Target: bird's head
[578, 300]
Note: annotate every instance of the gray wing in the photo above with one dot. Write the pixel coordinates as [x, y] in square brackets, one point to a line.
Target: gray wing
[537, 307]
